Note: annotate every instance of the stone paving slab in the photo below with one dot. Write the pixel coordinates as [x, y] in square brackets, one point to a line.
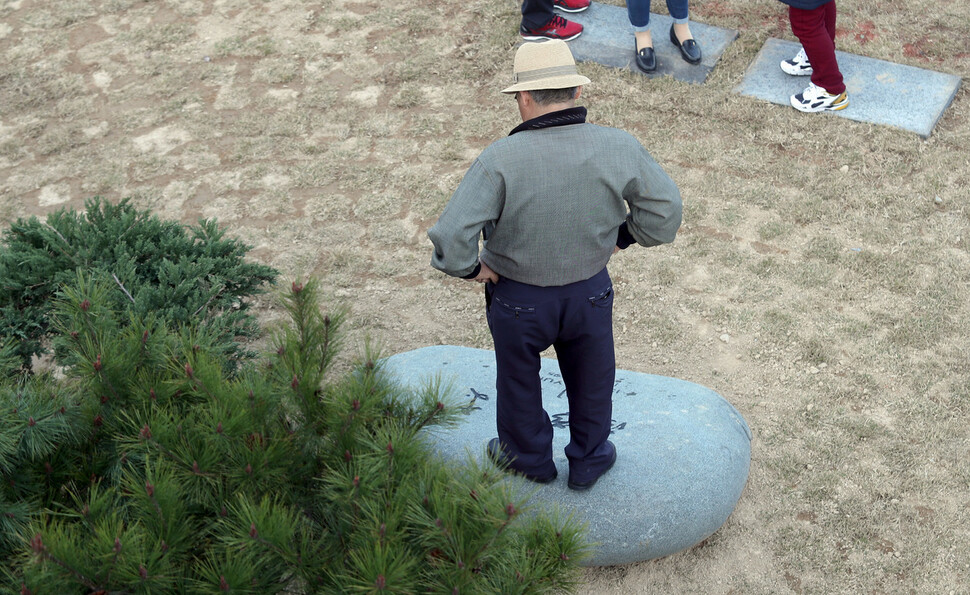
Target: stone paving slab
[607, 39]
[683, 452]
[880, 92]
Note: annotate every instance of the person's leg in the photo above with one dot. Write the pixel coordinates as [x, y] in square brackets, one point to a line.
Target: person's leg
[519, 331]
[588, 366]
[540, 23]
[638, 12]
[810, 27]
[830, 14]
[678, 12]
[680, 34]
[536, 13]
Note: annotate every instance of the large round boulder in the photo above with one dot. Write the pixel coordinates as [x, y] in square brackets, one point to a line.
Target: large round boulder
[683, 452]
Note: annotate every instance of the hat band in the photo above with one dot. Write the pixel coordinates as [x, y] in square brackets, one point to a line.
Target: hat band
[544, 73]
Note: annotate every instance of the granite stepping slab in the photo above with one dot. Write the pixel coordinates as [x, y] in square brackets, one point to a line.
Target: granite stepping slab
[607, 39]
[683, 452]
[880, 92]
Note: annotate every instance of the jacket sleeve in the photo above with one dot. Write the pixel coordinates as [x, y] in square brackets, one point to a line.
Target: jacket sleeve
[655, 205]
[477, 201]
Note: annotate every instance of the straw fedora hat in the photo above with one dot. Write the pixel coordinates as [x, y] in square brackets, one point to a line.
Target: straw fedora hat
[544, 65]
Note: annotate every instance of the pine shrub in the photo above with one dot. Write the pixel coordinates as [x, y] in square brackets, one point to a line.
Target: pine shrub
[182, 275]
[147, 469]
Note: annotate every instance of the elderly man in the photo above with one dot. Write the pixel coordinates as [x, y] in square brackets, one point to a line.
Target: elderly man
[553, 201]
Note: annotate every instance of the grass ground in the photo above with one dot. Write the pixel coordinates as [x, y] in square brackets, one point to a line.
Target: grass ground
[819, 282]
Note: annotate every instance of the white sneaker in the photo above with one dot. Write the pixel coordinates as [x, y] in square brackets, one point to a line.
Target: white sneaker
[797, 66]
[817, 99]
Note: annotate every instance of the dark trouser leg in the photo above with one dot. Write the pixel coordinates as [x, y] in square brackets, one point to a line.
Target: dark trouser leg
[677, 10]
[536, 13]
[588, 366]
[815, 29]
[638, 11]
[520, 333]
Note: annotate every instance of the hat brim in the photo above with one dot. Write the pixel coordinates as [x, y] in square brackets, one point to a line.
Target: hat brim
[556, 82]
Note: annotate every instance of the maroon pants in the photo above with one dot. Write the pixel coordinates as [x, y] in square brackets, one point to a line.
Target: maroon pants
[815, 28]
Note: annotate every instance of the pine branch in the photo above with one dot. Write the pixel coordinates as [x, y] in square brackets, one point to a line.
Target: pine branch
[54, 229]
[98, 371]
[118, 281]
[209, 301]
[150, 490]
[114, 560]
[511, 513]
[168, 453]
[68, 252]
[37, 545]
[438, 409]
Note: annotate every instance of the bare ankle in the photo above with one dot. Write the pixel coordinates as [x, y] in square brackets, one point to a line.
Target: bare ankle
[682, 31]
[644, 40]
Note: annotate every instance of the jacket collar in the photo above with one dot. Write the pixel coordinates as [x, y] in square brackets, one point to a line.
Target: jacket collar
[572, 115]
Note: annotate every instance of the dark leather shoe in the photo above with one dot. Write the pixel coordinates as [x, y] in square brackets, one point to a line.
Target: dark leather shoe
[690, 50]
[498, 456]
[646, 59]
[585, 485]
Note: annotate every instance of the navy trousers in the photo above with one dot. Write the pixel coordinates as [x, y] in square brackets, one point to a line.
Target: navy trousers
[536, 13]
[577, 320]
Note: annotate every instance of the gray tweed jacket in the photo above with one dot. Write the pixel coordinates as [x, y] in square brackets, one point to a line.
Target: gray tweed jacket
[551, 201]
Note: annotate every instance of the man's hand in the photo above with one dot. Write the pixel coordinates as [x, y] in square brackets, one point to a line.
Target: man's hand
[486, 274]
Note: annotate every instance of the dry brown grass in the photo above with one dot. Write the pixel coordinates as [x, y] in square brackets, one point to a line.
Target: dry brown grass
[833, 254]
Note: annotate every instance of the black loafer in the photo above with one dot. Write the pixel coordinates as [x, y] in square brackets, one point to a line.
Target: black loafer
[498, 456]
[579, 486]
[690, 49]
[646, 59]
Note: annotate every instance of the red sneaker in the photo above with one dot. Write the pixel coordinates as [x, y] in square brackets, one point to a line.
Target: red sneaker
[571, 5]
[557, 28]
